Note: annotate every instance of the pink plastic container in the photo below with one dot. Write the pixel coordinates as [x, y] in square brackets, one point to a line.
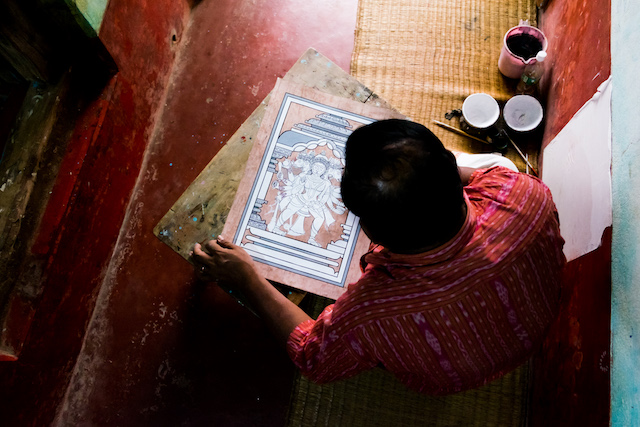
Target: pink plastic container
[519, 48]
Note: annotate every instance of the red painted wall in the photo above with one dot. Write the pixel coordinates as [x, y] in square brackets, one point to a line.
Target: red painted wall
[137, 35]
[572, 372]
[579, 60]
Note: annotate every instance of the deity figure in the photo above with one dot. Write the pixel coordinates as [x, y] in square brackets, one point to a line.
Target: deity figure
[307, 193]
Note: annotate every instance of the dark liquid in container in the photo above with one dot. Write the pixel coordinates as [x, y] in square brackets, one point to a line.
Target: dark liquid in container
[524, 45]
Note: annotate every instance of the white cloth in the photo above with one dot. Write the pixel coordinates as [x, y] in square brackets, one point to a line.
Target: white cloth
[484, 161]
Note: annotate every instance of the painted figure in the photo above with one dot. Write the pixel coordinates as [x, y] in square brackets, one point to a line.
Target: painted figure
[308, 193]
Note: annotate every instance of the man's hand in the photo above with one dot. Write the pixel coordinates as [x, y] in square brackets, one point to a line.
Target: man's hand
[222, 261]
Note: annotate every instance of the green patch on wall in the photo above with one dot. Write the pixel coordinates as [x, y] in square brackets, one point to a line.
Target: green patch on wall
[92, 10]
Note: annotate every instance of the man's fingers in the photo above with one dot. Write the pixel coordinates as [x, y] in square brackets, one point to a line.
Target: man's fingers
[224, 243]
[211, 247]
[199, 254]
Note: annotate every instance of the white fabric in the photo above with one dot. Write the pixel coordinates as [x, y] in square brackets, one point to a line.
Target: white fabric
[484, 161]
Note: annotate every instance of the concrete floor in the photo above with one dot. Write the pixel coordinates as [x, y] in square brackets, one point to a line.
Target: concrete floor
[160, 351]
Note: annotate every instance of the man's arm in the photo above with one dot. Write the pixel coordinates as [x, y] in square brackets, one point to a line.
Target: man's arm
[465, 174]
[221, 261]
[469, 163]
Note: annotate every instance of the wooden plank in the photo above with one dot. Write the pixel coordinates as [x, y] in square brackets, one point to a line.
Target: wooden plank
[200, 213]
[22, 177]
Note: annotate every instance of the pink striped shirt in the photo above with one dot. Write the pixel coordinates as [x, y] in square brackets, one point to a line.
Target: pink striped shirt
[455, 317]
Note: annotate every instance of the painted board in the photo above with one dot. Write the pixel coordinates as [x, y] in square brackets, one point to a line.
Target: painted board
[288, 213]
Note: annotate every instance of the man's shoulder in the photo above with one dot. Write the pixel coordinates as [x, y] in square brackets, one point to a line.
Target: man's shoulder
[497, 173]
[501, 197]
[514, 206]
[505, 184]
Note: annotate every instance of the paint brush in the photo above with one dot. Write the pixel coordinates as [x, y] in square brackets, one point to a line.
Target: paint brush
[459, 132]
[521, 155]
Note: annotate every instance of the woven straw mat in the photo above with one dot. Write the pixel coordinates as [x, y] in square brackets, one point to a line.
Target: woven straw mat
[425, 57]
[377, 398]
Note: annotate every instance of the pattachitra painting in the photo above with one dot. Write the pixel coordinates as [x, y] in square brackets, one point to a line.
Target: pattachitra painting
[288, 213]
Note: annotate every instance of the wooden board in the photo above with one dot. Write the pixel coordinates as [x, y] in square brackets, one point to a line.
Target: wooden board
[201, 212]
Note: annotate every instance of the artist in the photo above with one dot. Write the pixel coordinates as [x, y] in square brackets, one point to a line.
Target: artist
[461, 284]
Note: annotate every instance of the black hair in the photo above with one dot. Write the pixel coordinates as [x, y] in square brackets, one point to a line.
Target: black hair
[403, 184]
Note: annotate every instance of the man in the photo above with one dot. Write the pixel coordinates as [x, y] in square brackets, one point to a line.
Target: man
[460, 287]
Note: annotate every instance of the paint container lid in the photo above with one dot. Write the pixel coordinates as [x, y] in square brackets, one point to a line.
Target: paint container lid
[522, 113]
[541, 56]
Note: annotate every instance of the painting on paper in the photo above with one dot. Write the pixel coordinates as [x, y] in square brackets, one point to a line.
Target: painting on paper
[288, 214]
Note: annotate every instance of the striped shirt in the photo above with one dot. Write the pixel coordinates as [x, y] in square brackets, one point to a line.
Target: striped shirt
[455, 317]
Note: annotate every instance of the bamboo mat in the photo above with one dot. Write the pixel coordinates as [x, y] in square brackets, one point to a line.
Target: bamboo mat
[424, 58]
[377, 398]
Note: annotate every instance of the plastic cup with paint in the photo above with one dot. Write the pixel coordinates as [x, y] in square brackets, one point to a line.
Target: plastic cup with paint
[479, 113]
[522, 113]
[519, 48]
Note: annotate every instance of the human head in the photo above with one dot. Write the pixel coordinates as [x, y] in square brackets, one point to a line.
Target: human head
[318, 168]
[403, 184]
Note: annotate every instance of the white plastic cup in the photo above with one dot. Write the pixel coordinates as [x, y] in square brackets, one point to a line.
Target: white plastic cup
[522, 113]
[480, 111]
